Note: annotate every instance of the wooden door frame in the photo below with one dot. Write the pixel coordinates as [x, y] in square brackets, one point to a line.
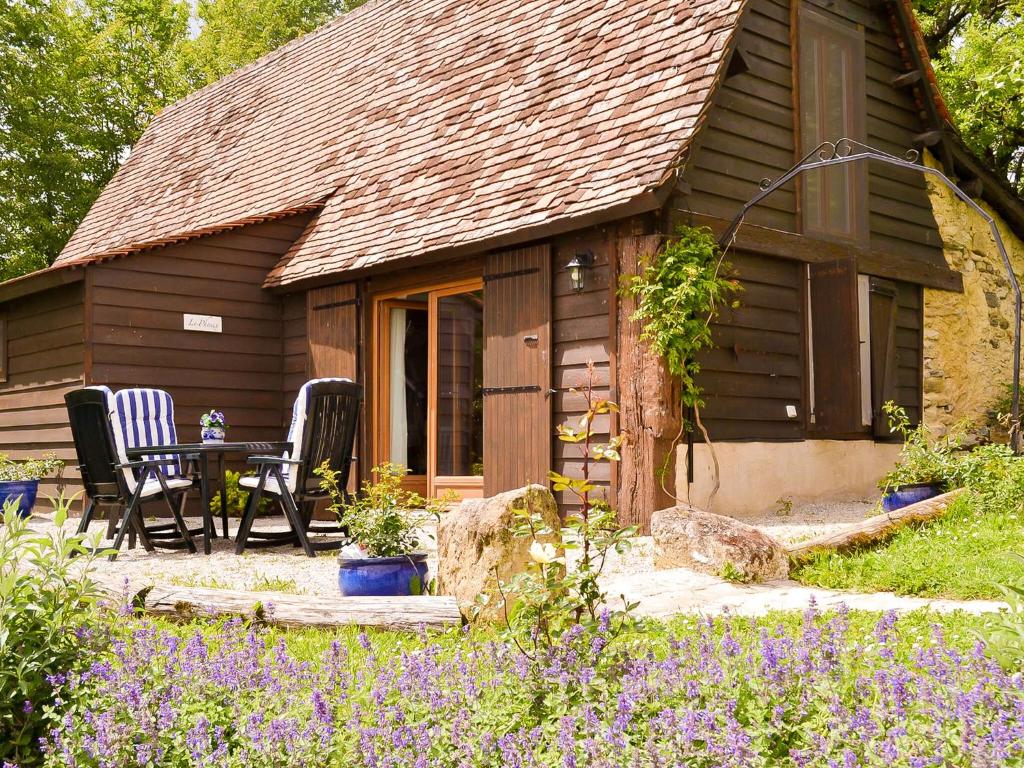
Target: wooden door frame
[468, 486]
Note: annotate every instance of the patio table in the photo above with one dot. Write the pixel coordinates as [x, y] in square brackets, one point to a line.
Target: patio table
[203, 452]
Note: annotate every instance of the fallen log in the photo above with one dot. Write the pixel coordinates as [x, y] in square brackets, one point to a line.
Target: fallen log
[875, 528]
[287, 610]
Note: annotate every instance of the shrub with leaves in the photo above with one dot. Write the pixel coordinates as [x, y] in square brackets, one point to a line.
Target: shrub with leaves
[385, 519]
[29, 469]
[48, 625]
[923, 457]
[237, 497]
[556, 593]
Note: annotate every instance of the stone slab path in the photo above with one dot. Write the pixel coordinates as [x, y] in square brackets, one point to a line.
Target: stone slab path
[661, 594]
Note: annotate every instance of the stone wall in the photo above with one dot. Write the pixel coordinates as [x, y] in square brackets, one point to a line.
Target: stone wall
[968, 337]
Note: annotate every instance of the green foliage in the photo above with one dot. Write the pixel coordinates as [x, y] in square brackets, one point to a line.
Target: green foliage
[733, 574]
[677, 298]
[962, 554]
[981, 75]
[237, 497]
[1003, 633]
[48, 625]
[384, 519]
[552, 595]
[30, 469]
[923, 459]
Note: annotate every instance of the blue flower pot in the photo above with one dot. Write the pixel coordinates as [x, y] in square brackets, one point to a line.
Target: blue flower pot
[906, 495]
[382, 576]
[26, 489]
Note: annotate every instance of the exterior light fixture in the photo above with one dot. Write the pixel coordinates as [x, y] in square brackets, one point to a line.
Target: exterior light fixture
[577, 269]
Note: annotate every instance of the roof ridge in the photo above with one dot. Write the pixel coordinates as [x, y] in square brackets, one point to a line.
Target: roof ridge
[327, 26]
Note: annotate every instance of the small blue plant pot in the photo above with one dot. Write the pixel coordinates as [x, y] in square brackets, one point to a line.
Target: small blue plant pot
[382, 576]
[25, 489]
[906, 495]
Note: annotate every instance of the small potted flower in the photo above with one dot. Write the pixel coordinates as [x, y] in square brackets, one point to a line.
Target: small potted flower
[213, 425]
[19, 480]
[924, 469]
[384, 523]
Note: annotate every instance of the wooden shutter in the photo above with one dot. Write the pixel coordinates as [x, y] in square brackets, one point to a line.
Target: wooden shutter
[835, 348]
[882, 308]
[517, 368]
[332, 317]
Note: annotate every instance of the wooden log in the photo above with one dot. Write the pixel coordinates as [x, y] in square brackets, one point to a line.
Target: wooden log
[874, 528]
[287, 610]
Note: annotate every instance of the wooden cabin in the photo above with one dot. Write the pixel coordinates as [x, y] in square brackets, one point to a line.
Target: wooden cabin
[395, 198]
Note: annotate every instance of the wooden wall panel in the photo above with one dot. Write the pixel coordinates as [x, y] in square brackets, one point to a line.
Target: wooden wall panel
[909, 348]
[750, 134]
[332, 327]
[138, 339]
[45, 360]
[757, 366]
[517, 355]
[294, 344]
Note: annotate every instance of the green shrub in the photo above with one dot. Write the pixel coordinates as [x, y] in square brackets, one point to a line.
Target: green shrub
[48, 625]
[237, 497]
[30, 469]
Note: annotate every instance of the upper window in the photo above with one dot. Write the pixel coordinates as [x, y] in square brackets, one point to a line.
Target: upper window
[832, 106]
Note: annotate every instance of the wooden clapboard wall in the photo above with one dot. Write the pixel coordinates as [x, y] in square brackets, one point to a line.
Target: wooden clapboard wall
[750, 131]
[332, 320]
[137, 336]
[517, 368]
[44, 359]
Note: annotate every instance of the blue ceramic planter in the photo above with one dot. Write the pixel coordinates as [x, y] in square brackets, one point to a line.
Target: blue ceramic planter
[382, 576]
[26, 489]
[906, 495]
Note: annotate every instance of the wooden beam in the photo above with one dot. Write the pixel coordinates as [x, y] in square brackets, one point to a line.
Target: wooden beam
[787, 245]
[907, 79]
[875, 528]
[928, 138]
[287, 610]
[972, 187]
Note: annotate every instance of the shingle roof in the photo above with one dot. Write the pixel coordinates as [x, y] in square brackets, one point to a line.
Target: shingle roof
[425, 124]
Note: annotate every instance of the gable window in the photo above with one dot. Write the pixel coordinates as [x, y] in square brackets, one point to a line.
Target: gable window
[832, 106]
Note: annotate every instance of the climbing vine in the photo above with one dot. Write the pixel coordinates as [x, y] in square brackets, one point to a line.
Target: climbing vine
[678, 295]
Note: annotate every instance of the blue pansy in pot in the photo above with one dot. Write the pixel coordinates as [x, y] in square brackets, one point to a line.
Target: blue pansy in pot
[213, 426]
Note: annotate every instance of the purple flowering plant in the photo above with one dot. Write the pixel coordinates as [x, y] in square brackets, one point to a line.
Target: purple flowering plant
[709, 692]
[213, 418]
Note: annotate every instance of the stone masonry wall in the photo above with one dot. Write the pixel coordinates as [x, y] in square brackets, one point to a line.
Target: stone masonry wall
[968, 337]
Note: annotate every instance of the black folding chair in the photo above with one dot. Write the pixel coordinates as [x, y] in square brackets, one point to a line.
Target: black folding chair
[323, 430]
[111, 483]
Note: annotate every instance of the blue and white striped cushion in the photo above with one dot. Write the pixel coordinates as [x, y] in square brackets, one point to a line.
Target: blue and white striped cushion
[145, 417]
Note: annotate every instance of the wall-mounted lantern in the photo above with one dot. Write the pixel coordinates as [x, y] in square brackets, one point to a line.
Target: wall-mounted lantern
[577, 268]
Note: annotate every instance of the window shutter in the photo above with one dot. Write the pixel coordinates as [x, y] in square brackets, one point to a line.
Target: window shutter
[332, 316]
[835, 348]
[517, 368]
[882, 308]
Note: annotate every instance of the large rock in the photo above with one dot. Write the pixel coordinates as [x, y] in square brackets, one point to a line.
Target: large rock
[687, 537]
[475, 541]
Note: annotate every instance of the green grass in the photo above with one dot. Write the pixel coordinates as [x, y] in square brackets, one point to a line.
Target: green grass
[915, 629]
[964, 555]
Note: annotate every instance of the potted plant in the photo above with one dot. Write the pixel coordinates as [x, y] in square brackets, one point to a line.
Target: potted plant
[19, 480]
[925, 465]
[384, 523]
[213, 425]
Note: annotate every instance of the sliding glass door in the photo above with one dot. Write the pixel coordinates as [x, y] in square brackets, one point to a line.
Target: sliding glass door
[429, 387]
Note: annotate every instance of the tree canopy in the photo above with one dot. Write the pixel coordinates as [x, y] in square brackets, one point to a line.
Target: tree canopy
[80, 80]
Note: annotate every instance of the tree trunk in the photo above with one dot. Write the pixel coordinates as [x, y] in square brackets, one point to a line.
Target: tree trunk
[649, 406]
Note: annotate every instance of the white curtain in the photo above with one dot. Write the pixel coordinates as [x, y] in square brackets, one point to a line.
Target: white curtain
[399, 437]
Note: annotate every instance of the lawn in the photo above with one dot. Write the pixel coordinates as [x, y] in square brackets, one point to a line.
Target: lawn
[964, 554]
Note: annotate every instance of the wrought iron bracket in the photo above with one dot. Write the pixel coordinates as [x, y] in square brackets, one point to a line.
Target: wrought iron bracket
[845, 151]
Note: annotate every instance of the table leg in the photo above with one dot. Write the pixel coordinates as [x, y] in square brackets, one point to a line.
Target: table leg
[222, 460]
[204, 492]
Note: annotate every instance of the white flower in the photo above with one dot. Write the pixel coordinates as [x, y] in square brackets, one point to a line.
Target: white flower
[543, 553]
